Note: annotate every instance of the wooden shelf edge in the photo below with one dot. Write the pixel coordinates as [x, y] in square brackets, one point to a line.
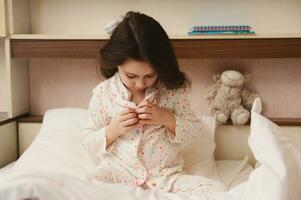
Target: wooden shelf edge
[6, 121]
[31, 119]
[184, 48]
[183, 35]
[278, 121]
[286, 121]
[57, 37]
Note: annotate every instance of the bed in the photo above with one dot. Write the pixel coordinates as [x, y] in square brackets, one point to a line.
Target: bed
[56, 166]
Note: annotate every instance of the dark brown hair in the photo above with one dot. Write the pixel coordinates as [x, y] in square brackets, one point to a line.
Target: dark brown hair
[142, 38]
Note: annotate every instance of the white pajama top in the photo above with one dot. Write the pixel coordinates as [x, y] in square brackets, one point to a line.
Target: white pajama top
[149, 158]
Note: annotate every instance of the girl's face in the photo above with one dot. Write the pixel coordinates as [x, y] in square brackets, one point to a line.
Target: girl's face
[137, 75]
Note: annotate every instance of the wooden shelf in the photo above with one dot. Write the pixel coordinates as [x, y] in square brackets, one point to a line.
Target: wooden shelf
[278, 121]
[31, 119]
[233, 47]
[171, 36]
[35, 48]
[287, 121]
[239, 48]
[58, 37]
[8, 120]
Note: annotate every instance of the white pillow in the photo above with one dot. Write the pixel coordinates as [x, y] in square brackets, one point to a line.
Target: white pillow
[57, 148]
[279, 174]
[199, 157]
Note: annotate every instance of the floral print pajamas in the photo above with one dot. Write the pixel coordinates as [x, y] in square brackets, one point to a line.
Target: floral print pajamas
[147, 158]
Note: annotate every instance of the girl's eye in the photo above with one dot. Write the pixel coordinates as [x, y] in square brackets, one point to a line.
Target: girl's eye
[130, 76]
[151, 76]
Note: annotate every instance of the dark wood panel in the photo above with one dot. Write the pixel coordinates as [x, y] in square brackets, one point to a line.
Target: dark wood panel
[29, 48]
[278, 121]
[287, 121]
[239, 48]
[31, 119]
[184, 48]
[12, 119]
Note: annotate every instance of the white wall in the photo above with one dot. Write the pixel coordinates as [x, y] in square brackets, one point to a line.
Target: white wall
[3, 80]
[176, 16]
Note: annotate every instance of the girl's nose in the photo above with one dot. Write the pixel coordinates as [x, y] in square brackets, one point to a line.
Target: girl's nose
[140, 84]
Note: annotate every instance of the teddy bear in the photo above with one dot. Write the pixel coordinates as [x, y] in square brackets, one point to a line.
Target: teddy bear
[228, 99]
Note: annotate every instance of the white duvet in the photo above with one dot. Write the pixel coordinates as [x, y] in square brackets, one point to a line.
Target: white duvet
[277, 178]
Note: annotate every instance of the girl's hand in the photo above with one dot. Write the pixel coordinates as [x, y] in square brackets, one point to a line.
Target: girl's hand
[125, 121]
[150, 114]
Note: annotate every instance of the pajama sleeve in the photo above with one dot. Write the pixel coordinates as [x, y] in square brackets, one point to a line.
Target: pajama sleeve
[188, 128]
[95, 131]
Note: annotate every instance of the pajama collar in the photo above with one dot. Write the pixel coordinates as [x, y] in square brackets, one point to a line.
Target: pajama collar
[124, 94]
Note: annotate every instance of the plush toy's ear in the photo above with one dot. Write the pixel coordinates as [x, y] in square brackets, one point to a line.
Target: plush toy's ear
[217, 78]
[247, 77]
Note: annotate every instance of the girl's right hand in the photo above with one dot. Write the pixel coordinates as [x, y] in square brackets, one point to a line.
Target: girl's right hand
[125, 121]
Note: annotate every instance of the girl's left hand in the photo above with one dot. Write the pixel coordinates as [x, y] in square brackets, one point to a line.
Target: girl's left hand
[151, 114]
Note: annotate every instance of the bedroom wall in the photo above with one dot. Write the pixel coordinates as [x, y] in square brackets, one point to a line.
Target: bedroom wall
[89, 16]
[68, 82]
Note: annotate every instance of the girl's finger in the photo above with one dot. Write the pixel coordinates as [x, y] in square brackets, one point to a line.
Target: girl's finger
[144, 109]
[144, 116]
[127, 116]
[130, 122]
[146, 122]
[126, 111]
[144, 103]
[129, 128]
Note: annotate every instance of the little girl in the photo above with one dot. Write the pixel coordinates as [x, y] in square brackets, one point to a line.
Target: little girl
[134, 140]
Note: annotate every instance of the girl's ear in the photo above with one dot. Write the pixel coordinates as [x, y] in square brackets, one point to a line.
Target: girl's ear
[247, 77]
[217, 78]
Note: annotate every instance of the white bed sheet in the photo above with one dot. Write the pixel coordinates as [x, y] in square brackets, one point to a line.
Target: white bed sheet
[230, 172]
[7, 168]
[280, 168]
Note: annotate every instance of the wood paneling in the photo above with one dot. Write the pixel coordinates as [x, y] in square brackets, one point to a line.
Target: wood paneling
[56, 48]
[184, 48]
[58, 83]
[238, 48]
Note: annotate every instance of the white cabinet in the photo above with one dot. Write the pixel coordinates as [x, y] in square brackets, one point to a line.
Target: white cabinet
[2, 19]
[27, 133]
[4, 95]
[8, 143]
[12, 143]
[14, 99]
